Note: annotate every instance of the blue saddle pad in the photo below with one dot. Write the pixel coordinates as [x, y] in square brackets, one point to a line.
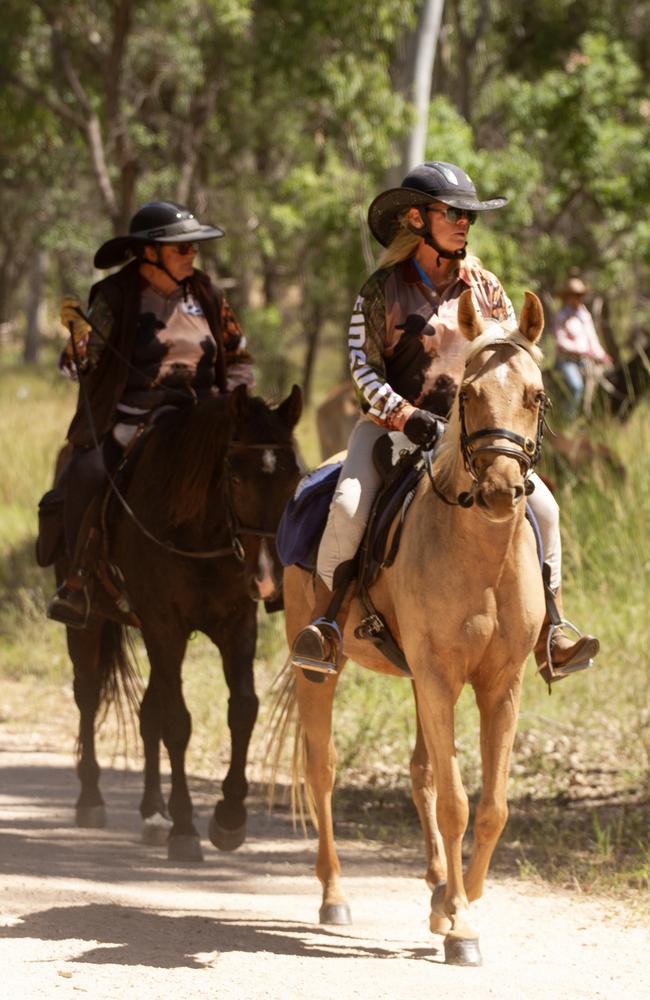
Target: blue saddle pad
[304, 517]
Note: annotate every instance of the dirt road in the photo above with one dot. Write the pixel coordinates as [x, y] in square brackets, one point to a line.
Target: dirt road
[97, 912]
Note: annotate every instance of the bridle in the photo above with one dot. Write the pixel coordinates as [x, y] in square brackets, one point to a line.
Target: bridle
[527, 451]
[235, 527]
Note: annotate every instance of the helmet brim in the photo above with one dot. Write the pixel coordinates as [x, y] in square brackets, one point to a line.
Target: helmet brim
[383, 211]
[119, 249]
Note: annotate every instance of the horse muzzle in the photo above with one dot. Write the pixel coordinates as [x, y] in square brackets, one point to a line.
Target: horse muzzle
[499, 491]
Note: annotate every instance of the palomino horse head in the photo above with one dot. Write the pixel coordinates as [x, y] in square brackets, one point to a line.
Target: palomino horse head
[262, 472]
[499, 413]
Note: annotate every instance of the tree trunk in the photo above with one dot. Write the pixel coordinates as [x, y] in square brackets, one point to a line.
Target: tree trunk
[35, 307]
[412, 76]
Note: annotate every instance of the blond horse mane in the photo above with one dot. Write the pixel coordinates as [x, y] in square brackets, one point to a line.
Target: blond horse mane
[449, 458]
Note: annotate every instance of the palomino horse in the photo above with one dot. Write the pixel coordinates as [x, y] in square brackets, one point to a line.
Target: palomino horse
[205, 497]
[464, 598]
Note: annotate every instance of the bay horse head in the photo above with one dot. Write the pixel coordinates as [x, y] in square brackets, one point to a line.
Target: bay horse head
[234, 468]
[498, 417]
[262, 472]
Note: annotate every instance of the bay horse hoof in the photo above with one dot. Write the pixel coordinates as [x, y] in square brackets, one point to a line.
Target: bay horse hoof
[462, 951]
[335, 913]
[91, 817]
[155, 830]
[226, 840]
[184, 847]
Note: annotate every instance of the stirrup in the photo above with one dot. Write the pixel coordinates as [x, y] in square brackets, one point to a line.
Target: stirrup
[319, 659]
[59, 610]
[549, 671]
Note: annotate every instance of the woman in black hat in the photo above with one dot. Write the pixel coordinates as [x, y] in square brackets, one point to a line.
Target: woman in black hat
[406, 359]
[156, 333]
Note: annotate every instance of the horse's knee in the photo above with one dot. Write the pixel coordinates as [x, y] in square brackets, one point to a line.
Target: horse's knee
[491, 817]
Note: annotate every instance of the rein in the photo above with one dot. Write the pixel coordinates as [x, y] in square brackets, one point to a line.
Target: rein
[527, 451]
[235, 548]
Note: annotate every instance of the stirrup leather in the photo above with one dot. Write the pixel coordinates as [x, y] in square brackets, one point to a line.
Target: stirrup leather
[324, 642]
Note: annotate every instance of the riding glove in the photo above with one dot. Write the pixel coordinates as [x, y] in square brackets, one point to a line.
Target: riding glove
[422, 428]
[72, 321]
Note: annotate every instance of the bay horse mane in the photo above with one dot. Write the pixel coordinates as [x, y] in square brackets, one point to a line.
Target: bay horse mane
[449, 457]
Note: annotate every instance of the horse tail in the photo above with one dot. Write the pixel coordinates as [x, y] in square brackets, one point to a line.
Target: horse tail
[119, 683]
[283, 719]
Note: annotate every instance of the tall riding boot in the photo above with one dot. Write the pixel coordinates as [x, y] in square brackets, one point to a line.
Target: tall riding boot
[557, 655]
[318, 646]
[71, 604]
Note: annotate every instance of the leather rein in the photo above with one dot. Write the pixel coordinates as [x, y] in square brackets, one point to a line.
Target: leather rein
[235, 529]
[527, 450]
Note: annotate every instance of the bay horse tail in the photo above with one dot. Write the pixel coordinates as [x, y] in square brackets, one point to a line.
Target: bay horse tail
[282, 721]
[118, 682]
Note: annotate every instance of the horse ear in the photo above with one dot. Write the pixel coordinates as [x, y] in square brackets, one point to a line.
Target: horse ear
[289, 411]
[531, 319]
[238, 403]
[468, 321]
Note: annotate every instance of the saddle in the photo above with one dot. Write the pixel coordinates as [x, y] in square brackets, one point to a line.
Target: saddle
[303, 523]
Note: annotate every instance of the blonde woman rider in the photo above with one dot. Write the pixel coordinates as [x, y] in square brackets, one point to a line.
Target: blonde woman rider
[406, 359]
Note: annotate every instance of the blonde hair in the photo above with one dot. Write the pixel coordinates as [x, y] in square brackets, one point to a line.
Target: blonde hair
[404, 244]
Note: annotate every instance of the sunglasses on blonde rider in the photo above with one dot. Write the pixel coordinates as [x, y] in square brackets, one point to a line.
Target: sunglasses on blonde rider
[452, 214]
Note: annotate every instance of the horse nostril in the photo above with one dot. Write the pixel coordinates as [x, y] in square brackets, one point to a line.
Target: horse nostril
[518, 493]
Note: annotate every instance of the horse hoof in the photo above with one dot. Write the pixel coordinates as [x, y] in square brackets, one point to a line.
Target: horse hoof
[439, 922]
[184, 847]
[155, 830]
[91, 817]
[226, 840]
[462, 951]
[335, 913]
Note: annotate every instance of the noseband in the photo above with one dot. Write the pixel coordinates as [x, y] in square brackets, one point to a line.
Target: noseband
[234, 526]
[527, 451]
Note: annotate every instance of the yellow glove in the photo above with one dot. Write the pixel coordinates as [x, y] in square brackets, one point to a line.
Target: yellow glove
[72, 321]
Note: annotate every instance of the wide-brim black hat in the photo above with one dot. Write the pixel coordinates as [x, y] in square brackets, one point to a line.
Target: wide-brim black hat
[155, 222]
[427, 182]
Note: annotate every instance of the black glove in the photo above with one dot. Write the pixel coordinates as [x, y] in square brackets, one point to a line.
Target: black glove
[422, 428]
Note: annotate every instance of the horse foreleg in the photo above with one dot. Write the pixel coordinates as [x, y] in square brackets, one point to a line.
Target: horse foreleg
[84, 648]
[166, 650]
[436, 703]
[315, 708]
[424, 797]
[498, 711]
[236, 643]
[156, 823]
[424, 794]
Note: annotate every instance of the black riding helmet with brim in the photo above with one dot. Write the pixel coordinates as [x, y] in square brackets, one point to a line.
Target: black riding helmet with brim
[156, 222]
[428, 182]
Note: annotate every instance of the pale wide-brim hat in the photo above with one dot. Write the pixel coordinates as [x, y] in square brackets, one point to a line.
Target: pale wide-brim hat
[574, 286]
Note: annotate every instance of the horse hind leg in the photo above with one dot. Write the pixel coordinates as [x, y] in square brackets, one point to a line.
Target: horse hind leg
[88, 656]
[156, 823]
[315, 708]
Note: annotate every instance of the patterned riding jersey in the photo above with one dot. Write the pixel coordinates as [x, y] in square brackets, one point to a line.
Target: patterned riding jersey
[174, 346]
[405, 348]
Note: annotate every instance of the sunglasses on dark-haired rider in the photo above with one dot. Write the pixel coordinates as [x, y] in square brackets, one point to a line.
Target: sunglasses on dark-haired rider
[452, 214]
[185, 248]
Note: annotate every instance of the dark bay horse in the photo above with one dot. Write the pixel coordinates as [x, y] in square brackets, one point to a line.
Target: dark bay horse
[209, 485]
[464, 599]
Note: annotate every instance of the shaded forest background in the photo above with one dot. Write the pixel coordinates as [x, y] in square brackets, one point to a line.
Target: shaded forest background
[280, 120]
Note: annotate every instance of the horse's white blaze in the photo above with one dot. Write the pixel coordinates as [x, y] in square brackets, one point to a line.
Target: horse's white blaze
[269, 461]
[264, 576]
